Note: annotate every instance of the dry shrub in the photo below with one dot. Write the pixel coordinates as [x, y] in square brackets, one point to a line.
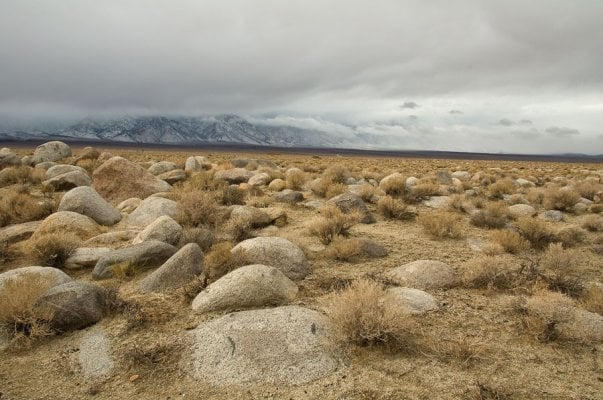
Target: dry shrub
[440, 224]
[331, 223]
[395, 186]
[545, 311]
[535, 196]
[500, 188]
[367, 192]
[238, 228]
[232, 195]
[296, 179]
[570, 236]
[17, 207]
[459, 203]
[511, 241]
[596, 208]
[560, 199]
[347, 250]
[202, 236]
[392, 208]
[141, 309]
[199, 209]
[462, 348]
[52, 250]
[535, 231]
[20, 319]
[152, 355]
[21, 174]
[336, 173]
[588, 190]
[485, 391]
[361, 316]
[592, 299]
[489, 272]
[201, 181]
[559, 267]
[494, 216]
[593, 223]
[220, 260]
[7, 253]
[335, 189]
[421, 191]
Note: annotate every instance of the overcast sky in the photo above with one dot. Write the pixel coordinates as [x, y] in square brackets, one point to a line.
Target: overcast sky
[513, 76]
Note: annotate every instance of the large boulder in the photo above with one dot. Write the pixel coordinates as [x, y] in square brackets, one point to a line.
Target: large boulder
[87, 153]
[177, 271]
[260, 179]
[282, 346]
[61, 169]
[146, 254]
[275, 252]
[349, 202]
[8, 158]
[412, 301]
[68, 180]
[85, 200]
[196, 164]
[118, 179]
[85, 257]
[250, 286]
[162, 167]
[150, 209]
[50, 151]
[74, 305]
[48, 276]
[425, 274]
[62, 222]
[164, 229]
[234, 175]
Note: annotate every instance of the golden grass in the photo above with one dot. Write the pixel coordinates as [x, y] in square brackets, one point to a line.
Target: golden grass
[535, 231]
[560, 199]
[440, 224]
[331, 223]
[52, 250]
[199, 208]
[18, 207]
[494, 216]
[510, 241]
[392, 208]
[490, 272]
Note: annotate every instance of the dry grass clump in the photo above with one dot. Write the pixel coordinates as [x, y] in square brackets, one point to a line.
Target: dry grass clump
[18, 207]
[536, 196]
[494, 216]
[592, 299]
[353, 250]
[570, 236]
[367, 192]
[421, 192]
[152, 355]
[392, 208]
[535, 231]
[499, 188]
[296, 179]
[21, 174]
[52, 250]
[232, 195]
[331, 223]
[199, 209]
[588, 190]
[202, 236]
[200, 181]
[335, 189]
[394, 186]
[511, 241]
[362, 316]
[593, 223]
[336, 173]
[459, 203]
[545, 311]
[220, 260]
[490, 272]
[440, 224]
[559, 267]
[560, 199]
[238, 228]
[461, 348]
[20, 319]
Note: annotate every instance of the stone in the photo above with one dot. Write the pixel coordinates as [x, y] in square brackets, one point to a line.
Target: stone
[389, 180]
[164, 229]
[146, 254]
[196, 164]
[60, 169]
[162, 167]
[275, 252]
[277, 185]
[412, 301]
[180, 269]
[50, 151]
[88, 153]
[62, 222]
[18, 232]
[118, 179]
[314, 204]
[234, 175]
[444, 177]
[551, 216]
[112, 239]
[520, 210]
[8, 158]
[94, 355]
[438, 202]
[411, 181]
[68, 180]
[74, 305]
[173, 176]
[85, 200]
[149, 210]
[256, 217]
[246, 287]
[85, 257]
[461, 175]
[288, 196]
[287, 345]
[260, 179]
[129, 205]
[45, 165]
[372, 249]
[425, 274]
[50, 276]
[521, 182]
[348, 202]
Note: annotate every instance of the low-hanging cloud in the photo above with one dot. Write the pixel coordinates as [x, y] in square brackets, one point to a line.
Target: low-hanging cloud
[561, 131]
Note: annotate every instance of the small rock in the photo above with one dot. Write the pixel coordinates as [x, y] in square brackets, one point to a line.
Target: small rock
[149, 210]
[85, 257]
[260, 179]
[348, 202]
[162, 167]
[164, 229]
[196, 164]
[551, 216]
[62, 222]
[177, 271]
[520, 210]
[256, 217]
[438, 202]
[289, 196]
[174, 176]
[129, 205]
[61, 169]
[85, 200]
[425, 274]
[277, 185]
[68, 180]
[234, 175]
[414, 301]
[112, 239]
[461, 175]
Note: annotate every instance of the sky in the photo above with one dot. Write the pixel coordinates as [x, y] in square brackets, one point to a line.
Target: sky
[466, 75]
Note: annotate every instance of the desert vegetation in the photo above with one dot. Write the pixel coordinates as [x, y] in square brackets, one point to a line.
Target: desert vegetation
[388, 273]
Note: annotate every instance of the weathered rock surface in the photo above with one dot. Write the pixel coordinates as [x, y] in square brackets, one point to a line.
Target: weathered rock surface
[174, 176]
[149, 210]
[551, 216]
[118, 179]
[50, 151]
[142, 255]
[15, 233]
[234, 175]
[260, 179]
[62, 222]
[164, 229]
[277, 185]
[284, 346]
[129, 205]
[68, 180]
[50, 276]
[61, 169]
[112, 239]
[249, 286]
[275, 252]
[413, 301]
[94, 355]
[196, 164]
[348, 202]
[162, 167]
[438, 202]
[520, 210]
[88, 153]
[257, 218]
[177, 271]
[389, 180]
[289, 196]
[85, 257]
[8, 158]
[425, 274]
[85, 200]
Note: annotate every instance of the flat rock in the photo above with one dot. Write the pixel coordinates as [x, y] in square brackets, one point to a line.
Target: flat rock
[85, 200]
[162, 167]
[283, 346]
[164, 229]
[260, 179]
[146, 254]
[249, 286]
[275, 252]
[256, 217]
[288, 196]
[60, 169]
[16, 233]
[112, 239]
[425, 274]
[50, 151]
[520, 210]
[68, 180]
[234, 175]
[177, 271]
[149, 210]
[174, 176]
[118, 179]
[437, 202]
[413, 301]
[551, 216]
[62, 222]
[348, 202]
[85, 257]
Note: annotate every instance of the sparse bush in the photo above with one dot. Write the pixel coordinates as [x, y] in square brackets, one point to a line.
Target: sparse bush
[588, 190]
[511, 241]
[238, 228]
[570, 236]
[593, 223]
[347, 250]
[199, 209]
[332, 222]
[296, 179]
[394, 209]
[440, 224]
[494, 216]
[362, 316]
[535, 231]
[459, 203]
[592, 299]
[336, 173]
[21, 174]
[367, 192]
[535, 196]
[560, 199]
[559, 268]
[421, 191]
[152, 355]
[201, 182]
[52, 250]
[500, 188]
[489, 272]
[596, 208]
[335, 189]
[546, 310]
[220, 260]
[202, 236]
[20, 318]
[231, 195]
[17, 207]
[395, 186]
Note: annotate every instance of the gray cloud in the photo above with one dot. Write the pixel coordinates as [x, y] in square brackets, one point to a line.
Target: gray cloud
[455, 112]
[409, 104]
[506, 122]
[526, 122]
[561, 131]
[525, 134]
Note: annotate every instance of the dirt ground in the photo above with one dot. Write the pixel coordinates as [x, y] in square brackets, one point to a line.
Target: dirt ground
[474, 347]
